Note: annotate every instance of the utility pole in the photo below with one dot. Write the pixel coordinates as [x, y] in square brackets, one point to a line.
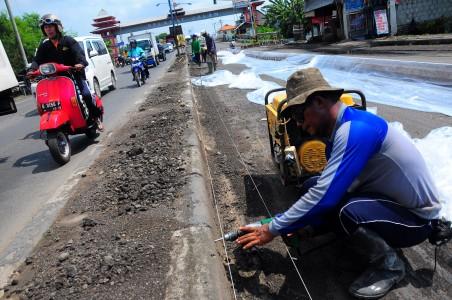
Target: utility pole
[174, 28]
[252, 19]
[19, 41]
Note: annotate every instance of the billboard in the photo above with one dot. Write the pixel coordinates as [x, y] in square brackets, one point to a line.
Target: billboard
[353, 5]
[381, 21]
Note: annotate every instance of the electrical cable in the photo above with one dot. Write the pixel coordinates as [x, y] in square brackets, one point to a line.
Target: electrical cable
[216, 202]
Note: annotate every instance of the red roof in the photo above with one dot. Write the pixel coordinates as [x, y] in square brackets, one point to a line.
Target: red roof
[227, 27]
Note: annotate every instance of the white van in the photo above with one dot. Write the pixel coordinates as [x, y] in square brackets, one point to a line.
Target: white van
[100, 72]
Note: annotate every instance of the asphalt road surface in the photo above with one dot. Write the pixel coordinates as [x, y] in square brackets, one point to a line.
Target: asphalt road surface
[32, 186]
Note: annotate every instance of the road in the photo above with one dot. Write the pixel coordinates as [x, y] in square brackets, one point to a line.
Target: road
[33, 187]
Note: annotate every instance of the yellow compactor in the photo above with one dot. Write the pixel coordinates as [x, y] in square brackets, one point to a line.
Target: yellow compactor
[298, 155]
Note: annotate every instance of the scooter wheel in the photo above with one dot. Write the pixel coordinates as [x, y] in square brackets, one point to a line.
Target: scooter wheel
[59, 147]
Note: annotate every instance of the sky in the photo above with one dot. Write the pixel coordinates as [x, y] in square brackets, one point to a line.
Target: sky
[77, 15]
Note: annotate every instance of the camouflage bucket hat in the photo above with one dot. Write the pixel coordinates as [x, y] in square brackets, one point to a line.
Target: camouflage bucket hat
[304, 83]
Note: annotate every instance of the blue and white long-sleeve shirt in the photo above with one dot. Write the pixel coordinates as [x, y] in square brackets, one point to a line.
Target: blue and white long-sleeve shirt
[365, 156]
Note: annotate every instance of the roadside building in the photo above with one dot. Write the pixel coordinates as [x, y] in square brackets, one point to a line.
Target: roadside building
[251, 16]
[108, 27]
[226, 32]
[324, 20]
[330, 20]
[421, 11]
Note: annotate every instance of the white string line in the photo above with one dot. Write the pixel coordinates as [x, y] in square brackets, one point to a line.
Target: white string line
[260, 196]
[215, 199]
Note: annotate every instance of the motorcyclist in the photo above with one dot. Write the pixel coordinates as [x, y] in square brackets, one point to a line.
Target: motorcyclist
[62, 49]
[138, 52]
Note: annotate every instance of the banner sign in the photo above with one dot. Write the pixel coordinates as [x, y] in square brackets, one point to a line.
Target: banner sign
[240, 3]
[381, 21]
[352, 5]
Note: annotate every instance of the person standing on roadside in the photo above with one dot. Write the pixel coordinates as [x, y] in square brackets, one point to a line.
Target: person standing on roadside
[196, 49]
[211, 52]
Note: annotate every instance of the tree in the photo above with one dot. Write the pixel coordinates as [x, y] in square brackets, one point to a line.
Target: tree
[283, 14]
[30, 33]
[162, 37]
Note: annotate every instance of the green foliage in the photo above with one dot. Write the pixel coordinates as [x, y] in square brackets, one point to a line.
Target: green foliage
[265, 29]
[283, 14]
[30, 34]
[162, 36]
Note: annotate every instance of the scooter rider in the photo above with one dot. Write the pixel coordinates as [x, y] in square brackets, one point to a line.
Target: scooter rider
[136, 51]
[376, 187]
[62, 49]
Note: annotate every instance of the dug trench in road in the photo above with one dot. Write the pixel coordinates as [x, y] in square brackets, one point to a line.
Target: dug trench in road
[121, 234]
[33, 187]
[267, 272]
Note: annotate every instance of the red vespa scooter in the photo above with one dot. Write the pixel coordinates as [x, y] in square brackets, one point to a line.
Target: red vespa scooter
[62, 109]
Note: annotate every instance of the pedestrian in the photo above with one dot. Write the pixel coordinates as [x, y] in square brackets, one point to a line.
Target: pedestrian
[196, 49]
[375, 188]
[211, 58]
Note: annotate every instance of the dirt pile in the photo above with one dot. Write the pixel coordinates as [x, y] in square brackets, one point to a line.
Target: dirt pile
[112, 238]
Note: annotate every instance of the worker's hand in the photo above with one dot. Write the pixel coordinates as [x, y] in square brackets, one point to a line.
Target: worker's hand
[255, 236]
[78, 67]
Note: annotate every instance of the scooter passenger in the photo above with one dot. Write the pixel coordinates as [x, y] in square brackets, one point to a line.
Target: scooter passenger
[138, 52]
[62, 49]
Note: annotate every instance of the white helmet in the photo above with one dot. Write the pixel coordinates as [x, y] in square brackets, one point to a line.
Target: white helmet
[50, 19]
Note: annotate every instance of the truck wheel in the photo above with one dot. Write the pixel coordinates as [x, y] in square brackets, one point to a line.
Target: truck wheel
[59, 147]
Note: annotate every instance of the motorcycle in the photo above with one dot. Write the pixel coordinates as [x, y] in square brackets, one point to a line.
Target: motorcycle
[62, 110]
[138, 71]
[120, 61]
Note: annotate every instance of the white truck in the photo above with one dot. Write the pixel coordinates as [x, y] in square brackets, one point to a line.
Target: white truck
[148, 43]
[8, 81]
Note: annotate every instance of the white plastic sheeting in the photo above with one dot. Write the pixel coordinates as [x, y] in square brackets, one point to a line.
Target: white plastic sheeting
[436, 150]
[370, 75]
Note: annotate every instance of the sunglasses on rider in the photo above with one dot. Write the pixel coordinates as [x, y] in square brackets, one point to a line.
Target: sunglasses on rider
[47, 22]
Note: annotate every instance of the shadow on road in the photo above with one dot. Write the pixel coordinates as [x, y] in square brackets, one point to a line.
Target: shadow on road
[43, 161]
[32, 136]
[32, 113]
[3, 159]
[131, 86]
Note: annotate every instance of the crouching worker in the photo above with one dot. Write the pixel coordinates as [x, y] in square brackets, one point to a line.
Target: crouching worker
[375, 188]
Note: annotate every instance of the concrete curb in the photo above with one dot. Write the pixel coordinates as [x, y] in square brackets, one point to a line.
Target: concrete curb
[431, 72]
[196, 271]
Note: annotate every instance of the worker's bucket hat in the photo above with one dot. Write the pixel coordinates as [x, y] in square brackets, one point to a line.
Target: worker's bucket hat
[304, 83]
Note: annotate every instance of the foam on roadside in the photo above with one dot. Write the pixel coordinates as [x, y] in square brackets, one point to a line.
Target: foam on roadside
[435, 148]
[354, 73]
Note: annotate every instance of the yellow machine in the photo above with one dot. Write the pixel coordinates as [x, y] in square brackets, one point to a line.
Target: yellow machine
[298, 155]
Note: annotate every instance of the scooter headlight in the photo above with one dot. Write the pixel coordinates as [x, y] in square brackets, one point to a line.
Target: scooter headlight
[47, 69]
